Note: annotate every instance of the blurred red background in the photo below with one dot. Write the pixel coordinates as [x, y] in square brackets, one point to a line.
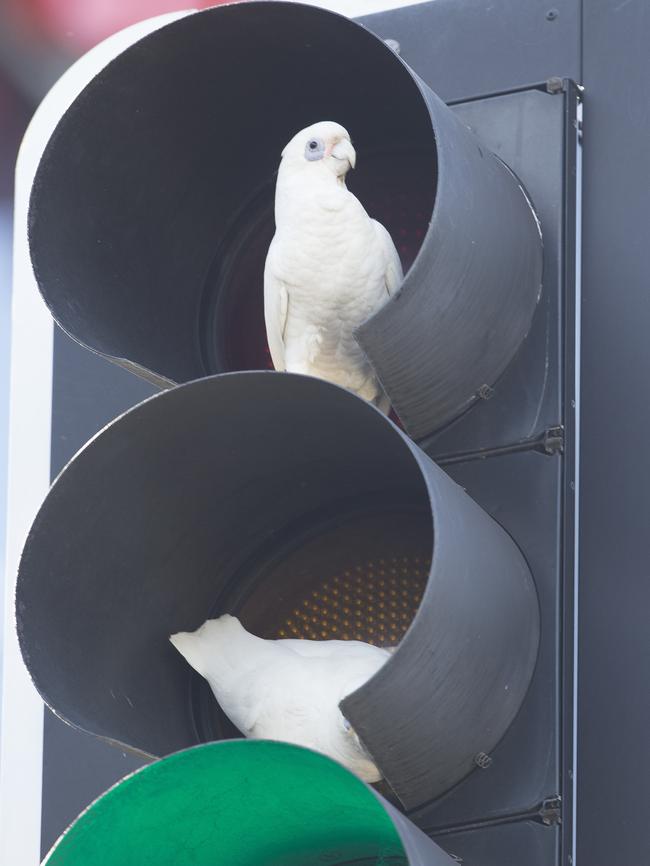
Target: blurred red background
[39, 39]
[77, 25]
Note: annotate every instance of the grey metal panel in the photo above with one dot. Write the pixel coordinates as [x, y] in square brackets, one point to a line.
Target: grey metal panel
[526, 130]
[469, 298]
[88, 393]
[522, 492]
[465, 544]
[518, 844]
[465, 48]
[76, 770]
[417, 845]
[614, 603]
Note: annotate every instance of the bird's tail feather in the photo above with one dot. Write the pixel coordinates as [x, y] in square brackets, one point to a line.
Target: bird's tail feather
[191, 647]
[218, 646]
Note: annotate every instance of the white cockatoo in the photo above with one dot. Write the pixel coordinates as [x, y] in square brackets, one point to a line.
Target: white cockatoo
[329, 267]
[285, 689]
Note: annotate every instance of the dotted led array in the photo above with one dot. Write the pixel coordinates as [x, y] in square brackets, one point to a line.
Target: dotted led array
[373, 602]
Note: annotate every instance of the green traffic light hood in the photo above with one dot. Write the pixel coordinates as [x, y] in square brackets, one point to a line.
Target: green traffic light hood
[243, 803]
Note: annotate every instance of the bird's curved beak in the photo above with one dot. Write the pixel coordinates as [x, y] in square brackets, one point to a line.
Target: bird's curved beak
[344, 151]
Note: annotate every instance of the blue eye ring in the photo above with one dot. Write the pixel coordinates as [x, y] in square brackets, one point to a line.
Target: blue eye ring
[314, 149]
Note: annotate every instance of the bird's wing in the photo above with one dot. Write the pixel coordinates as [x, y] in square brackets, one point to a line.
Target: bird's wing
[258, 690]
[286, 699]
[276, 307]
[394, 274]
[245, 703]
[344, 649]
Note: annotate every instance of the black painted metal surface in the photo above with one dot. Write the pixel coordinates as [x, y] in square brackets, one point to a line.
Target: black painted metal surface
[461, 49]
[613, 757]
[88, 394]
[146, 244]
[174, 513]
[467, 302]
[520, 842]
[529, 130]
[523, 493]
[474, 565]
[418, 847]
[469, 48]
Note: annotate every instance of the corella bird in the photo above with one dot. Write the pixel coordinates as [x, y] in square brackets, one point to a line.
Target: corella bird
[329, 267]
[285, 689]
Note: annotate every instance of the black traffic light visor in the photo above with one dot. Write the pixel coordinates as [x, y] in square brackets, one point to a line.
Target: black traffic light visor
[152, 208]
[254, 493]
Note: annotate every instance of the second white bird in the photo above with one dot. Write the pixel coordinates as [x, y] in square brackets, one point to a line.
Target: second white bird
[329, 267]
[285, 689]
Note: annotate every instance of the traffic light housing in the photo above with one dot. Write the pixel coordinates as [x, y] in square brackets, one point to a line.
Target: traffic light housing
[521, 409]
[273, 497]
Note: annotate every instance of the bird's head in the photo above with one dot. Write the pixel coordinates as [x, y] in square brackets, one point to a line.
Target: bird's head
[321, 147]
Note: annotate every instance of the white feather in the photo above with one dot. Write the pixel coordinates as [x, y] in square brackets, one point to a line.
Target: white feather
[276, 305]
[285, 689]
[329, 268]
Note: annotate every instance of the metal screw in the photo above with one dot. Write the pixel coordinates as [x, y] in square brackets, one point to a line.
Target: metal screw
[394, 45]
[552, 14]
[482, 760]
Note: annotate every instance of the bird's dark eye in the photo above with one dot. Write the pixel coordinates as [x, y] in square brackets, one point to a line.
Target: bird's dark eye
[314, 149]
